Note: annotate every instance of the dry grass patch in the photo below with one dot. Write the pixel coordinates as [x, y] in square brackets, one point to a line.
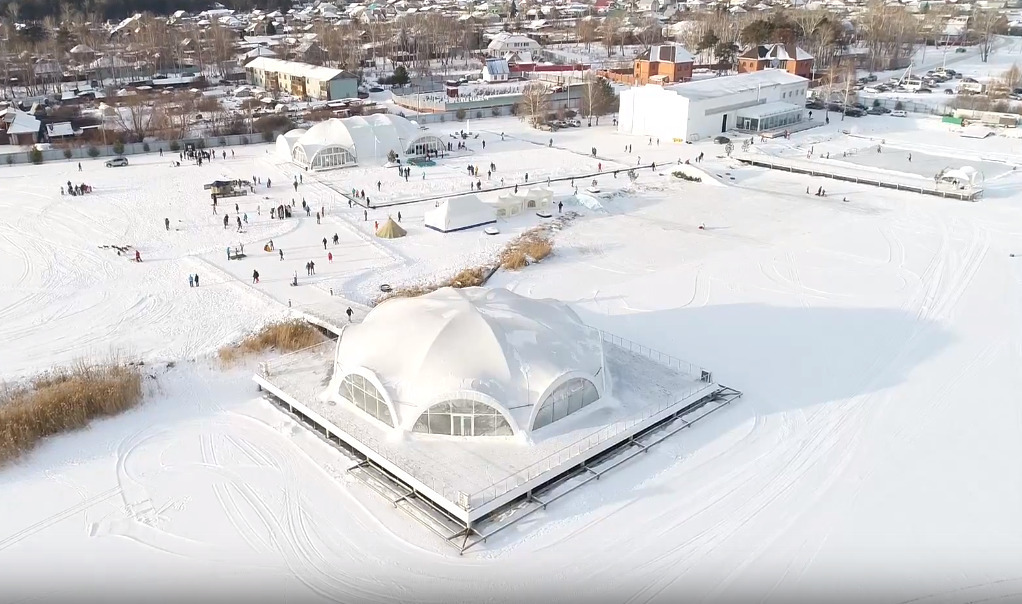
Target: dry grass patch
[530, 247]
[286, 336]
[64, 400]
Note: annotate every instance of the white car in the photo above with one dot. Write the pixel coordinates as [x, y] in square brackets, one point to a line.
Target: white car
[899, 113]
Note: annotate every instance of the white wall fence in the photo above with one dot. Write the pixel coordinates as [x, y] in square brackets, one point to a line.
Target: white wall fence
[21, 155]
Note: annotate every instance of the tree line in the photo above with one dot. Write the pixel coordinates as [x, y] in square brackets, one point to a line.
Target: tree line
[38, 10]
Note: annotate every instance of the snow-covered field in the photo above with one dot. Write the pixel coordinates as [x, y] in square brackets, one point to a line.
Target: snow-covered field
[878, 344]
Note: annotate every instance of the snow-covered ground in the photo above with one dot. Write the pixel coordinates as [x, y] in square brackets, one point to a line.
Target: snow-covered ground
[877, 343]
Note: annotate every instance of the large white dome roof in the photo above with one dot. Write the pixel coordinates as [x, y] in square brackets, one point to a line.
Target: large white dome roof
[369, 137]
[494, 342]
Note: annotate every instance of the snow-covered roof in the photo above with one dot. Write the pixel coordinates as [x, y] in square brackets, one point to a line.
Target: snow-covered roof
[59, 129]
[509, 349]
[768, 109]
[22, 123]
[667, 53]
[259, 51]
[296, 69]
[713, 88]
[367, 137]
[507, 41]
[778, 52]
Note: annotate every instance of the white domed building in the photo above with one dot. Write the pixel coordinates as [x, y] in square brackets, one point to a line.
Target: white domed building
[470, 362]
[345, 142]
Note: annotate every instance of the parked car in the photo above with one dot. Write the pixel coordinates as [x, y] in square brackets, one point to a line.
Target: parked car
[960, 50]
[949, 91]
[871, 77]
[899, 113]
[924, 90]
[876, 111]
[116, 162]
[721, 140]
[854, 112]
[814, 104]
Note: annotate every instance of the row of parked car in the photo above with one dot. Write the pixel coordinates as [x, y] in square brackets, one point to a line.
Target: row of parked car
[853, 109]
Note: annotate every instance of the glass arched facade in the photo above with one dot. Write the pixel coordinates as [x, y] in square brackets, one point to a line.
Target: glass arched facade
[425, 144]
[332, 157]
[461, 417]
[566, 399]
[366, 397]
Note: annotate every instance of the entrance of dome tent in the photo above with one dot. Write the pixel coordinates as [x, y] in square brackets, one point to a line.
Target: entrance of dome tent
[461, 425]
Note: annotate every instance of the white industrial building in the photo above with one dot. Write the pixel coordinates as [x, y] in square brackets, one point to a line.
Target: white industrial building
[340, 143]
[691, 111]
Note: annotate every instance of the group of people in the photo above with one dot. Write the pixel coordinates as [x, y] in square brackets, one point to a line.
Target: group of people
[75, 190]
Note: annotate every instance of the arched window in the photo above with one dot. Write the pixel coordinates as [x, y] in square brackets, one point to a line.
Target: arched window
[566, 399]
[425, 144]
[364, 395]
[461, 417]
[333, 157]
[298, 154]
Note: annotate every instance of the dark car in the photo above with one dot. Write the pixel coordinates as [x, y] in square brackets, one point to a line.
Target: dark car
[924, 91]
[721, 140]
[814, 104]
[854, 112]
[375, 89]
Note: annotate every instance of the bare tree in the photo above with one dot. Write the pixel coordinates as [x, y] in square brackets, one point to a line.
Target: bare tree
[587, 31]
[598, 98]
[139, 117]
[1012, 78]
[535, 103]
[986, 23]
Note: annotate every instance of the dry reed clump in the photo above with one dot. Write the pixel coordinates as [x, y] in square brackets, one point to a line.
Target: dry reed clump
[286, 336]
[532, 246]
[64, 400]
[469, 277]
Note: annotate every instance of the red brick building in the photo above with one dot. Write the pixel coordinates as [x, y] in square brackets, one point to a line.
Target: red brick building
[672, 62]
[788, 57]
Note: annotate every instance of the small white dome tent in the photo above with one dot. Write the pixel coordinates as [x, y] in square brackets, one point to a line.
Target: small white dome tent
[459, 213]
[286, 142]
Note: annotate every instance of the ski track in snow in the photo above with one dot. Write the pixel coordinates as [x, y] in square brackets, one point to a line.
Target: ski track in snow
[758, 497]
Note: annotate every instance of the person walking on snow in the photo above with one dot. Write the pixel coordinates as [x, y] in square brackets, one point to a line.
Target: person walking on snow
[336, 238]
[308, 268]
[191, 280]
[196, 279]
[227, 219]
[79, 166]
[312, 267]
[166, 221]
[282, 254]
[138, 257]
[349, 314]
[255, 276]
[317, 218]
[324, 243]
[399, 216]
[330, 256]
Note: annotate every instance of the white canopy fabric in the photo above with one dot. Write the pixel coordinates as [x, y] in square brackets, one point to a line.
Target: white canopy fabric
[459, 213]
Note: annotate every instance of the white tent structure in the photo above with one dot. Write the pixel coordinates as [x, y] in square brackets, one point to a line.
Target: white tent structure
[339, 143]
[538, 198]
[507, 205]
[965, 177]
[286, 142]
[456, 362]
[459, 213]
